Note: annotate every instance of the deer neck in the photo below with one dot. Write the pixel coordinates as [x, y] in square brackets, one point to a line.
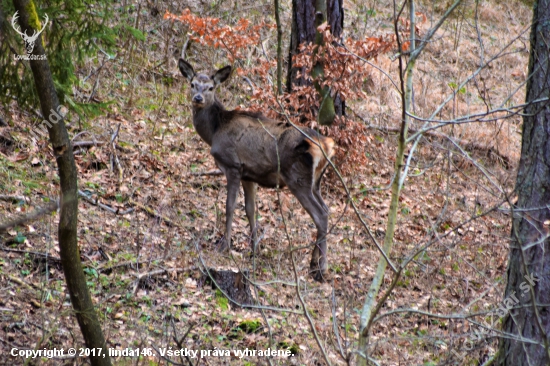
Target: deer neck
[207, 120]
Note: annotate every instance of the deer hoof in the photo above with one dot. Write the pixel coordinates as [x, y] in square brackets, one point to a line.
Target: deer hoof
[318, 275]
[222, 245]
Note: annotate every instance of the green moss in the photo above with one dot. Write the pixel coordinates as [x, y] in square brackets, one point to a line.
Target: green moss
[293, 348]
[34, 21]
[221, 300]
[250, 326]
[33, 16]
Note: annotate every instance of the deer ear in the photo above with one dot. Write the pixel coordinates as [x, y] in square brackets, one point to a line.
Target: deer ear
[186, 69]
[221, 75]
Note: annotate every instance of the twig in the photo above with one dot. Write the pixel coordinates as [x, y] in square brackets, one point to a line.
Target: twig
[439, 135]
[82, 133]
[490, 360]
[335, 324]
[166, 358]
[88, 143]
[208, 173]
[22, 283]
[249, 82]
[179, 342]
[141, 276]
[105, 266]
[153, 213]
[114, 156]
[96, 202]
[185, 46]
[48, 208]
[40, 254]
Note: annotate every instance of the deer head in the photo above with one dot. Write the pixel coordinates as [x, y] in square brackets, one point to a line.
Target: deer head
[29, 40]
[203, 86]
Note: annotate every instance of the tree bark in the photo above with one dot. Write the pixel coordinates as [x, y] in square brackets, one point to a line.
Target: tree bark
[305, 18]
[303, 30]
[63, 152]
[529, 262]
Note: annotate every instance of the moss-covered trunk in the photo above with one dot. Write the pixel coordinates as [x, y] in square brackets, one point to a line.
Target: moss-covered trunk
[59, 138]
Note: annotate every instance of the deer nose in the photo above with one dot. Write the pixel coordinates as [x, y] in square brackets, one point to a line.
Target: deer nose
[198, 99]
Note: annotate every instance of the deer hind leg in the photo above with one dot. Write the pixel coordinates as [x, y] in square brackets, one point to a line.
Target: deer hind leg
[317, 190]
[304, 192]
[250, 208]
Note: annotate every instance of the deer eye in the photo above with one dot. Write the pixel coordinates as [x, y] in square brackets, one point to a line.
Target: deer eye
[193, 85]
[211, 88]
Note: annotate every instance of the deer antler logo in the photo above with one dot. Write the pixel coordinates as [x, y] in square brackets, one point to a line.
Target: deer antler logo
[29, 40]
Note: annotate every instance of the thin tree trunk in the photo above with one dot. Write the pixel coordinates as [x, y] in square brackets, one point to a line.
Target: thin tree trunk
[335, 18]
[63, 152]
[529, 261]
[279, 49]
[406, 73]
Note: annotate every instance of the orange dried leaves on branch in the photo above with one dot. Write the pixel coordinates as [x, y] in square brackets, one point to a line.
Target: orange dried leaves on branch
[344, 74]
[210, 32]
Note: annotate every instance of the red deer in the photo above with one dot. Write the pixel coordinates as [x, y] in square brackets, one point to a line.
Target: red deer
[252, 149]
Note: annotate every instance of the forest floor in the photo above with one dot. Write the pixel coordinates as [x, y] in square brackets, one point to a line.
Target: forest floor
[146, 267]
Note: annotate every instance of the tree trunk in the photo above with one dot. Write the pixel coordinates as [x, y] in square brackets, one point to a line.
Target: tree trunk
[304, 29]
[529, 262]
[63, 152]
[279, 49]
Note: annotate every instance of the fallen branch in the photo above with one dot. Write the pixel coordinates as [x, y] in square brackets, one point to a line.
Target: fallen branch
[96, 202]
[208, 173]
[87, 143]
[39, 254]
[152, 212]
[20, 282]
[117, 211]
[14, 198]
[50, 207]
[156, 272]
[106, 267]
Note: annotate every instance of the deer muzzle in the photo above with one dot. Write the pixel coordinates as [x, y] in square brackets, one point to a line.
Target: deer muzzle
[198, 99]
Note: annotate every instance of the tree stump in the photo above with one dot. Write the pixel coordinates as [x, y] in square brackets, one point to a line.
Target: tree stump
[234, 285]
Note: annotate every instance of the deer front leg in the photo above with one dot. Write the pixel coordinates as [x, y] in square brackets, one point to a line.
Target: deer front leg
[250, 208]
[232, 191]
